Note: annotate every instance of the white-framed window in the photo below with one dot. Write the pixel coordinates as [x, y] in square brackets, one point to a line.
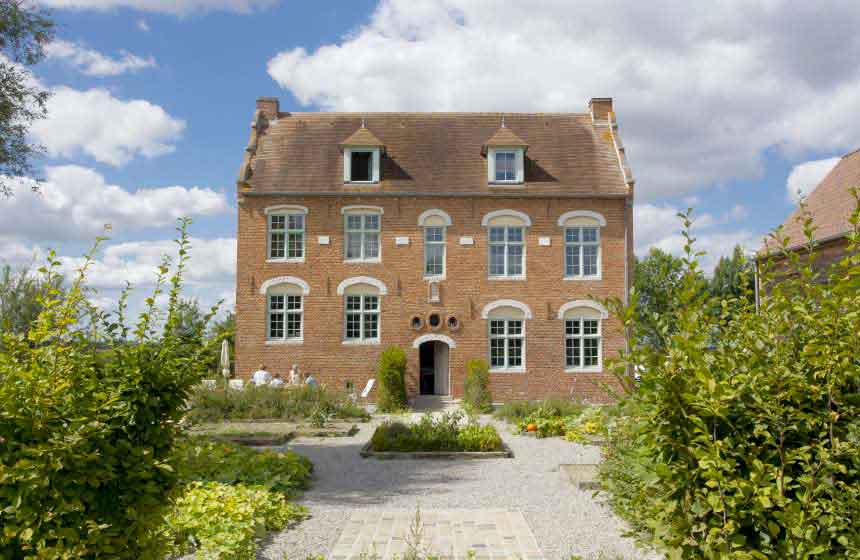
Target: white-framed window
[582, 343]
[286, 236]
[507, 343]
[582, 252]
[362, 236]
[507, 251]
[434, 251]
[505, 166]
[285, 317]
[583, 331]
[361, 165]
[361, 317]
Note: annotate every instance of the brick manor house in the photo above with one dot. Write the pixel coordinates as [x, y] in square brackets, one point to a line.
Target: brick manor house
[452, 235]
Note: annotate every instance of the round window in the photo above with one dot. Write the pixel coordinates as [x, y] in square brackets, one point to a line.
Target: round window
[417, 322]
[453, 323]
[434, 321]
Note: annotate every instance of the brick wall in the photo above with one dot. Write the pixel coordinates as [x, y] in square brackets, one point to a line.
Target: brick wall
[464, 293]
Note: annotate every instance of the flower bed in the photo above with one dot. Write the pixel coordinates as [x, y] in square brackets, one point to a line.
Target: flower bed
[444, 436]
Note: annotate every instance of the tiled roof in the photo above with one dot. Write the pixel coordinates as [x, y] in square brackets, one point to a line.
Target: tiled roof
[435, 153]
[830, 204]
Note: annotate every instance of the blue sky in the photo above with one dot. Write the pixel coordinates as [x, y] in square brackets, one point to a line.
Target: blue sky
[726, 109]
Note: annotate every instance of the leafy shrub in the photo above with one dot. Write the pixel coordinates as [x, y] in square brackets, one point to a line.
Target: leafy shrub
[223, 521]
[86, 440]
[517, 411]
[591, 422]
[742, 438]
[391, 396]
[201, 459]
[256, 403]
[477, 397]
[443, 433]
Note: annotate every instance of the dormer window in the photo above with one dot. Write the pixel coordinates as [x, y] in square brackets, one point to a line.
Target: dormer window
[505, 153]
[361, 156]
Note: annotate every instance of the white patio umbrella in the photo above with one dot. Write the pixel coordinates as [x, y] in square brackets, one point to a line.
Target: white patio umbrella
[225, 359]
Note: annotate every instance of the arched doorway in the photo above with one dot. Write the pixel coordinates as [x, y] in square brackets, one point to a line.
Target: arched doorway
[434, 375]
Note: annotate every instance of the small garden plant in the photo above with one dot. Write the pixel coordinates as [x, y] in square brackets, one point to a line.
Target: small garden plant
[477, 397]
[447, 432]
[391, 393]
[305, 402]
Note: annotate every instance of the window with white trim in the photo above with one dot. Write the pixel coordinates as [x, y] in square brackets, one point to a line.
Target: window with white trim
[581, 252]
[506, 166]
[361, 318]
[286, 236]
[434, 250]
[582, 343]
[362, 236]
[285, 317]
[507, 343]
[361, 165]
[507, 251]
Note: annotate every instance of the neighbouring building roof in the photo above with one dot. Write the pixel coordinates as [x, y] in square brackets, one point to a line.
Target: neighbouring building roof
[830, 204]
[568, 153]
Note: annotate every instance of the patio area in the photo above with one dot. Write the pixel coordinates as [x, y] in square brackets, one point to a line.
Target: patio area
[525, 507]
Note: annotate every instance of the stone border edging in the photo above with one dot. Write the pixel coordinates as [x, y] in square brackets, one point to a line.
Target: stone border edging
[367, 452]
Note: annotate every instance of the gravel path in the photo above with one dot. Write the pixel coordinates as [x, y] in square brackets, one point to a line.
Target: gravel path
[564, 519]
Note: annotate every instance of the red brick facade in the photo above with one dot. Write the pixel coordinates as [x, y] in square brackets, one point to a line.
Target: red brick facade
[464, 292]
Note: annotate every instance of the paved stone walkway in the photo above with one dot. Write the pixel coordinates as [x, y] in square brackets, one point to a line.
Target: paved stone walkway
[450, 534]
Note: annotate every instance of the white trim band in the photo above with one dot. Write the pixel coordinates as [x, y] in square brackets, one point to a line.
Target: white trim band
[272, 282]
[604, 314]
[378, 284]
[286, 209]
[434, 338]
[361, 208]
[582, 214]
[434, 212]
[485, 221]
[485, 313]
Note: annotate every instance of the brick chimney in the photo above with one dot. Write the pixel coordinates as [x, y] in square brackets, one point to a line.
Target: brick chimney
[269, 107]
[600, 108]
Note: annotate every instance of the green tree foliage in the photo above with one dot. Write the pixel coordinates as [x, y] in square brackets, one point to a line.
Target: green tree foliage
[745, 444]
[477, 395]
[87, 442]
[24, 31]
[21, 294]
[391, 394]
[733, 276]
[657, 278]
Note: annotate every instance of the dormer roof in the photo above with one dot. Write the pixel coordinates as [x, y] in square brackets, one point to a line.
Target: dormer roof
[504, 137]
[362, 137]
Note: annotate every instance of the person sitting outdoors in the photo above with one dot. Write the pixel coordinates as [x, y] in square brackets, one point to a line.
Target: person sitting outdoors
[311, 381]
[276, 381]
[261, 376]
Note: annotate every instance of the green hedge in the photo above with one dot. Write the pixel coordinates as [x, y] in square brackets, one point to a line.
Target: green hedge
[742, 439]
[86, 441]
[391, 393]
[477, 397]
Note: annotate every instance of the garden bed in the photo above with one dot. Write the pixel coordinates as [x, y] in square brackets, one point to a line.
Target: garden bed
[448, 436]
[368, 452]
[271, 432]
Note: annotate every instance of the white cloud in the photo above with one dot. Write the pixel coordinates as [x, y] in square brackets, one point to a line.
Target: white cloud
[76, 203]
[659, 226]
[701, 90]
[142, 25]
[110, 130]
[213, 262]
[174, 7]
[94, 63]
[805, 177]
